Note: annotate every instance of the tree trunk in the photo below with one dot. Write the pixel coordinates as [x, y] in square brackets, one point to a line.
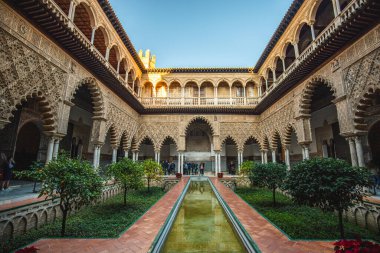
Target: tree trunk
[64, 217]
[125, 195]
[341, 228]
[274, 196]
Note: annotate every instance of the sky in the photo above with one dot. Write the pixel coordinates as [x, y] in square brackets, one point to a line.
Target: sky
[201, 33]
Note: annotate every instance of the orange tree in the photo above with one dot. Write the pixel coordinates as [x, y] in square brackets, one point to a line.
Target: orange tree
[152, 170]
[330, 184]
[127, 173]
[75, 183]
[270, 175]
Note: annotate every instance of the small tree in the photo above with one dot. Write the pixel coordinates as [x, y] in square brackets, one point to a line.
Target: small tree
[128, 173]
[270, 175]
[74, 182]
[331, 184]
[152, 170]
[245, 171]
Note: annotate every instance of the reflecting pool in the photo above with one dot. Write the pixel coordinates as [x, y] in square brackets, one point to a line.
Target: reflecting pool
[201, 225]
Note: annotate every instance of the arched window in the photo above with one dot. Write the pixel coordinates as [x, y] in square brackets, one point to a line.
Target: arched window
[324, 16]
[161, 90]
[237, 89]
[305, 38]
[290, 55]
[113, 58]
[270, 78]
[100, 40]
[83, 19]
[207, 90]
[147, 90]
[279, 67]
[263, 85]
[175, 89]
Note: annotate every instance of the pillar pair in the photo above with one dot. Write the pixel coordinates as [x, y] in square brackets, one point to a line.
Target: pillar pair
[96, 157]
[181, 160]
[356, 151]
[157, 156]
[264, 156]
[53, 147]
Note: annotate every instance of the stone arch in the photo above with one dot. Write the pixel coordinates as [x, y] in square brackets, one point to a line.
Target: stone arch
[101, 40]
[322, 19]
[303, 36]
[363, 103]
[124, 140]
[276, 137]
[84, 18]
[201, 118]
[168, 137]
[265, 144]
[144, 138]
[307, 93]
[207, 80]
[229, 137]
[251, 137]
[8, 231]
[113, 133]
[49, 123]
[287, 135]
[96, 95]
[114, 55]
[22, 225]
[43, 218]
[33, 221]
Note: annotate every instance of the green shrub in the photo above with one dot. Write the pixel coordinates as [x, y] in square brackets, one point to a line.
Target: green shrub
[128, 173]
[74, 182]
[331, 184]
[270, 175]
[153, 171]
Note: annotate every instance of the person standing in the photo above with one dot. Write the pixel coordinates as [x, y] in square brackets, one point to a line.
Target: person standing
[10, 163]
[3, 167]
[202, 168]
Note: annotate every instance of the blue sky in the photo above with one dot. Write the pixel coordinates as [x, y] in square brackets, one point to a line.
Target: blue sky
[201, 33]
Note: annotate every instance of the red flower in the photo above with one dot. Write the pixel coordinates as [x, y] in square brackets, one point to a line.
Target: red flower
[30, 249]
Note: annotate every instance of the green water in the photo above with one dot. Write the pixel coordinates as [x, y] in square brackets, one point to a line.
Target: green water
[201, 225]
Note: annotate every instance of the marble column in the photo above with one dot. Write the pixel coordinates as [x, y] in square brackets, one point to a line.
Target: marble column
[273, 155]
[359, 151]
[56, 148]
[354, 158]
[49, 152]
[307, 152]
[287, 157]
[114, 155]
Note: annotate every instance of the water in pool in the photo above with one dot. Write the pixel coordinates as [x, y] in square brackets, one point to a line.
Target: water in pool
[201, 225]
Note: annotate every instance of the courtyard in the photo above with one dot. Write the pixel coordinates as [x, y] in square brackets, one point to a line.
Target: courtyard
[104, 148]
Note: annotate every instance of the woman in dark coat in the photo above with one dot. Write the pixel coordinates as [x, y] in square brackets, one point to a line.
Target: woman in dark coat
[7, 173]
[3, 167]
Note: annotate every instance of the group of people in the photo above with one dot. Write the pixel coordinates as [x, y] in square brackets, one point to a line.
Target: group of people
[168, 167]
[192, 168]
[6, 167]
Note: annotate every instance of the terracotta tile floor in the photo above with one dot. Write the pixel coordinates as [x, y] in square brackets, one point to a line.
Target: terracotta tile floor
[138, 238]
[266, 236]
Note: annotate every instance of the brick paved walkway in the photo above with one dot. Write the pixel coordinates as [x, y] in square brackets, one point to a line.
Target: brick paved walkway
[266, 236]
[138, 238]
